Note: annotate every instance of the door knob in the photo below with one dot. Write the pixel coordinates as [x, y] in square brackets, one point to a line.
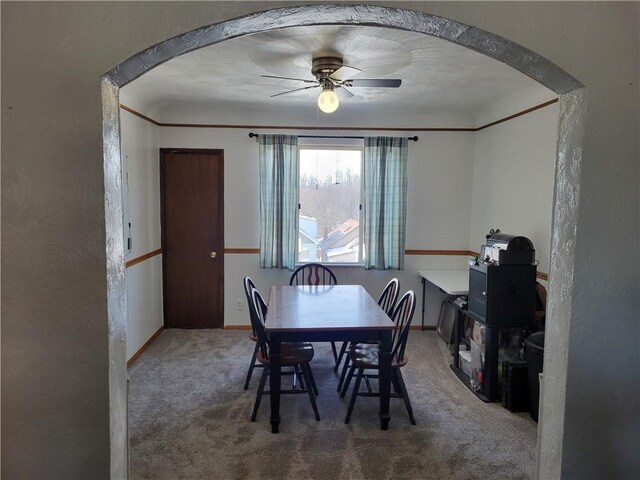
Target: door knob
[214, 254]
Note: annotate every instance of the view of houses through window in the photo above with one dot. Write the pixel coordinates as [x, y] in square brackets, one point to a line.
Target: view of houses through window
[329, 216]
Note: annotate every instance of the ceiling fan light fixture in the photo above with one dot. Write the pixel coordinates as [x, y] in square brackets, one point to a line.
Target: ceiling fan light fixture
[328, 100]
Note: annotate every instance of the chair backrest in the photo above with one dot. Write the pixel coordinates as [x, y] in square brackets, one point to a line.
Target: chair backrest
[259, 312]
[389, 296]
[249, 285]
[313, 274]
[402, 316]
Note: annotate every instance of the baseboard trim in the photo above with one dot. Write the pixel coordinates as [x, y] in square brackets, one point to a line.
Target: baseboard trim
[135, 356]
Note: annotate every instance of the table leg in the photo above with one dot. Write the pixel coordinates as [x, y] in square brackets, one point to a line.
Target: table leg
[384, 378]
[274, 380]
[424, 282]
[456, 340]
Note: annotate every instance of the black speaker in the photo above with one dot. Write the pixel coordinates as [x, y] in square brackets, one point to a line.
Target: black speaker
[515, 387]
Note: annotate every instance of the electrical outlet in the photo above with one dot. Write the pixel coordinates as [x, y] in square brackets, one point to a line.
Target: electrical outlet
[239, 305]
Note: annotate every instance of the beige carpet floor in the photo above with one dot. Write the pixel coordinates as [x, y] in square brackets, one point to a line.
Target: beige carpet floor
[189, 419]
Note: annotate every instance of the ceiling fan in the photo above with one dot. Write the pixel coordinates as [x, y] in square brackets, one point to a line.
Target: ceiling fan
[332, 76]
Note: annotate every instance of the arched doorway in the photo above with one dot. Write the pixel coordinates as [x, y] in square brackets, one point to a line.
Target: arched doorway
[520, 58]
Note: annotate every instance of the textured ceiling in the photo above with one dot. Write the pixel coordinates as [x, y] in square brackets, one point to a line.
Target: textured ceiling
[437, 76]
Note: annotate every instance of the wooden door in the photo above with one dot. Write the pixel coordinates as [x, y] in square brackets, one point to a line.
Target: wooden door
[192, 222]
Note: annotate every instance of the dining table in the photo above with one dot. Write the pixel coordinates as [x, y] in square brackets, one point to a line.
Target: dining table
[316, 313]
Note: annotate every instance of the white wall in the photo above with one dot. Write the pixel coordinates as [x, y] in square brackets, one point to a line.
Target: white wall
[439, 186]
[439, 192]
[513, 175]
[460, 184]
[144, 302]
[144, 279]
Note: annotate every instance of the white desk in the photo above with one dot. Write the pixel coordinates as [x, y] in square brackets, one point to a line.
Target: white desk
[451, 282]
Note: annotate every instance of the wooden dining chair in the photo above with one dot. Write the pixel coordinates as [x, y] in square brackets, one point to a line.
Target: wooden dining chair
[365, 357]
[387, 302]
[389, 296]
[249, 285]
[315, 274]
[296, 355]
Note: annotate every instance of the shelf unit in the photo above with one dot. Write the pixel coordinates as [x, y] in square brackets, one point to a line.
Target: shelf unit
[490, 391]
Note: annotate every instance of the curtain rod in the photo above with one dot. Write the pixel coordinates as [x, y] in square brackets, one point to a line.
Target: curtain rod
[252, 135]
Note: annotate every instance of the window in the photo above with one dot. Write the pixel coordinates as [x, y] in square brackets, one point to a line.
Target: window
[329, 217]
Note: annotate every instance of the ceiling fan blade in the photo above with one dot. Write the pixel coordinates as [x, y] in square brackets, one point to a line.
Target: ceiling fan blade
[294, 90]
[343, 93]
[289, 78]
[375, 82]
[344, 73]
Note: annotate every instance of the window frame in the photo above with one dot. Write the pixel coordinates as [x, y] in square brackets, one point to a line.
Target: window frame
[333, 147]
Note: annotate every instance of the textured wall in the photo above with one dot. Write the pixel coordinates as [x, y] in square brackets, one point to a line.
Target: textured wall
[602, 411]
[55, 350]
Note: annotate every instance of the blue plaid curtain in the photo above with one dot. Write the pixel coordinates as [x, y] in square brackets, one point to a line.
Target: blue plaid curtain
[278, 200]
[385, 202]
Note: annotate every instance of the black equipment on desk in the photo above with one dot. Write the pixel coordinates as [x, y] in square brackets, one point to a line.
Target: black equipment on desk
[503, 290]
[505, 249]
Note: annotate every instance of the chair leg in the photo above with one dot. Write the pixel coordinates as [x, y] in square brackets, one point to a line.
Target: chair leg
[252, 365]
[345, 387]
[263, 381]
[297, 375]
[334, 350]
[405, 395]
[313, 380]
[305, 373]
[343, 350]
[354, 394]
[368, 384]
[343, 374]
[394, 384]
